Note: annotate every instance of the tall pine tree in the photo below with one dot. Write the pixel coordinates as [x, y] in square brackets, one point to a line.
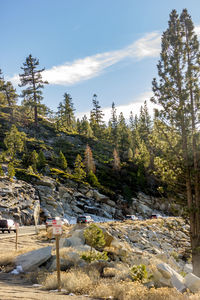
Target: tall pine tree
[177, 92]
[32, 78]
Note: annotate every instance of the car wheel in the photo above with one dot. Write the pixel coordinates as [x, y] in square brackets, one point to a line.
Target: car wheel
[8, 231]
[2, 231]
[14, 230]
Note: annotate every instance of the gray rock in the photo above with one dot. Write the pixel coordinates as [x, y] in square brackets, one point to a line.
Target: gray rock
[31, 260]
[192, 282]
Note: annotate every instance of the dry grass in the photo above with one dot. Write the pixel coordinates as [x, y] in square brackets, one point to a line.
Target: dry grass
[7, 259]
[134, 291]
[75, 281]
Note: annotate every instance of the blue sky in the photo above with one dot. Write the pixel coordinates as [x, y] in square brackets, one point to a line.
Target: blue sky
[106, 47]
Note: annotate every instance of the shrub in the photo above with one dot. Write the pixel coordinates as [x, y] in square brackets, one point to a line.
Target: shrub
[94, 236]
[74, 281]
[92, 256]
[139, 273]
[92, 179]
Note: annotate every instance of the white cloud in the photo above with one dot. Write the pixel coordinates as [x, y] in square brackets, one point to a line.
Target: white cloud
[91, 66]
[133, 106]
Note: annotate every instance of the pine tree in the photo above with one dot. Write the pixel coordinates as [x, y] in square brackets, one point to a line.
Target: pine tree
[66, 113]
[10, 96]
[32, 77]
[1, 171]
[144, 123]
[94, 236]
[62, 161]
[88, 160]
[85, 127]
[11, 171]
[34, 160]
[41, 160]
[14, 141]
[177, 92]
[96, 118]
[123, 133]
[79, 172]
[2, 86]
[113, 124]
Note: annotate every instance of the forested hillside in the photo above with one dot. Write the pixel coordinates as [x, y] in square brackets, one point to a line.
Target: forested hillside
[159, 156]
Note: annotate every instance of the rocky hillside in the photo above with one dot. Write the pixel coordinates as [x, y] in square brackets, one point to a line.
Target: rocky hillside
[18, 199]
[161, 245]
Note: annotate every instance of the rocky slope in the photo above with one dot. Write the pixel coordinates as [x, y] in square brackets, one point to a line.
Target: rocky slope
[19, 198]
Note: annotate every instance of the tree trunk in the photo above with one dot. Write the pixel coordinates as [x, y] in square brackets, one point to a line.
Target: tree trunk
[196, 254]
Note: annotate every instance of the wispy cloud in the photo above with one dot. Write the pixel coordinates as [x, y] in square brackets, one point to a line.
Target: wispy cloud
[88, 67]
[133, 106]
[91, 66]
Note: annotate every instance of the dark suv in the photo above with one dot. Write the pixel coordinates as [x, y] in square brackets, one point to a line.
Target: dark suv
[84, 219]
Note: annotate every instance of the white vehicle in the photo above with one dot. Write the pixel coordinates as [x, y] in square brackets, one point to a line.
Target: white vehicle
[131, 217]
[7, 225]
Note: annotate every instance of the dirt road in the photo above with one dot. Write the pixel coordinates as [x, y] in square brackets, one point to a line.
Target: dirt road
[13, 287]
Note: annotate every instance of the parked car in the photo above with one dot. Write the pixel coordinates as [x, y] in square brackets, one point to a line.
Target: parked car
[7, 225]
[84, 219]
[155, 216]
[131, 217]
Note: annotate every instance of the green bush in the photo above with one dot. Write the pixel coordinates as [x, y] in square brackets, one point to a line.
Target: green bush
[24, 175]
[92, 256]
[94, 236]
[139, 273]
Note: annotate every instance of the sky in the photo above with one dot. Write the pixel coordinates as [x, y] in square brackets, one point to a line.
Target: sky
[105, 47]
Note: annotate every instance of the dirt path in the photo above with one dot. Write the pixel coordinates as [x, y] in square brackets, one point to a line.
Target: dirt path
[13, 287]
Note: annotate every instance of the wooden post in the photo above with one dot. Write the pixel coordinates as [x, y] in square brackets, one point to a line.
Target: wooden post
[58, 262]
[16, 239]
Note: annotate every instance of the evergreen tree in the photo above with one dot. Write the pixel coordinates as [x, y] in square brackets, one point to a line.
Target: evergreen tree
[32, 78]
[11, 171]
[79, 172]
[62, 162]
[85, 127]
[41, 160]
[144, 123]
[113, 124]
[78, 126]
[96, 118]
[34, 160]
[66, 113]
[1, 171]
[14, 141]
[2, 86]
[124, 134]
[94, 236]
[10, 96]
[177, 92]
[92, 179]
[88, 160]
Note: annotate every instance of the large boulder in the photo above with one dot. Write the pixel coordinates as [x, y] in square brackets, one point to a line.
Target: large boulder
[31, 260]
[192, 282]
[99, 197]
[166, 276]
